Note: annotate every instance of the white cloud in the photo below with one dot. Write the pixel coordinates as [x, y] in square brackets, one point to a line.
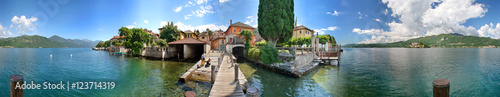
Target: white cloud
[386, 11]
[490, 31]
[418, 18]
[3, 30]
[24, 24]
[322, 30]
[146, 21]
[200, 1]
[190, 2]
[183, 27]
[178, 9]
[335, 13]
[251, 21]
[200, 12]
[132, 26]
[375, 39]
[100, 29]
[223, 1]
[378, 20]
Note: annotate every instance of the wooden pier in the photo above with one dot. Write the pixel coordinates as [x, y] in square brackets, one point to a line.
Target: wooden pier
[331, 54]
[225, 84]
[223, 66]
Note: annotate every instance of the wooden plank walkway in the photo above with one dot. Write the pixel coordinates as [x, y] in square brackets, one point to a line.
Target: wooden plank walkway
[202, 73]
[224, 84]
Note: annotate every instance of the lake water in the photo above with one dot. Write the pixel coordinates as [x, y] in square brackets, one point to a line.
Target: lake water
[379, 72]
[363, 72]
[132, 76]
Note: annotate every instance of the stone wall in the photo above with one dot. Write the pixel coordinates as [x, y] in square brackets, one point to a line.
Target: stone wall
[189, 51]
[157, 53]
[207, 48]
[173, 51]
[303, 59]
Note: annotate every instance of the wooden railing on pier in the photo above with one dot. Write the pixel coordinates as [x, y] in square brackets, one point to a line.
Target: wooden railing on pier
[229, 80]
[333, 53]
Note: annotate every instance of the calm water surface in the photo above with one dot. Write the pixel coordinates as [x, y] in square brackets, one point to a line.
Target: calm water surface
[363, 72]
[391, 72]
[133, 76]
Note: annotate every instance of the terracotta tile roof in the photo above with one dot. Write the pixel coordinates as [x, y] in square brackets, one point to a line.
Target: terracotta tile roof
[239, 24]
[302, 27]
[116, 37]
[188, 41]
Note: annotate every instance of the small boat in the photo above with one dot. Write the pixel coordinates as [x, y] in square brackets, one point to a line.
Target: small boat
[119, 53]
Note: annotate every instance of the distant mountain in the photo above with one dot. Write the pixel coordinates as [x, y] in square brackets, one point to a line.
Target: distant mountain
[452, 40]
[35, 41]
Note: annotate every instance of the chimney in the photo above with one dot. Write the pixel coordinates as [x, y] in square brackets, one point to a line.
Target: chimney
[230, 22]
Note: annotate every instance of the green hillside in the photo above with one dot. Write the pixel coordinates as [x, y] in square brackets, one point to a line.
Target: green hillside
[442, 40]
[36, 41]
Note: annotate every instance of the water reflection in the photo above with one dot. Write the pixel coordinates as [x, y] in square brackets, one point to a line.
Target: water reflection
[390, 72]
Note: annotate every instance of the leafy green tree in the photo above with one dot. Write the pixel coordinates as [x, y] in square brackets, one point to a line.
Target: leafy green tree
[106, 43]
[117, 43]
[100, 44]
[210, 33]
[161, 43]
[170, 32]
[136, 48]
[247, 35]
[124, 31]
[276, 20]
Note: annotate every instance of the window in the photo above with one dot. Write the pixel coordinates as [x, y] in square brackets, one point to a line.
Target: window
[300, 32]
[202, 37]
[234, 29]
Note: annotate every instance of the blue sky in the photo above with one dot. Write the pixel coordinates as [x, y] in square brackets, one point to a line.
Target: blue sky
[350, 21]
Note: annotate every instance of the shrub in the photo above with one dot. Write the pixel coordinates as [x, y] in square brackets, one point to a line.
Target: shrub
[254, 53]
[261, 43]
[268, 54]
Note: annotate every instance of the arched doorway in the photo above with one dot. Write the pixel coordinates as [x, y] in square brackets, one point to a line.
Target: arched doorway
[238, 52]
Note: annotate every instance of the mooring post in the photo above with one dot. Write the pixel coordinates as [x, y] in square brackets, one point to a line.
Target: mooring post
[14, 80]
[213, 75]
[236, 72]
[189, 94]
[441, 88]
[338, 59]
[252, 92]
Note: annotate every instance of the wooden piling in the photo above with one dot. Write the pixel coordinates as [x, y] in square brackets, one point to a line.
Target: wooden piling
[236, 67]
[441, 88]
[14, 79]
[212, 76]
[252, 92]
[189, 94]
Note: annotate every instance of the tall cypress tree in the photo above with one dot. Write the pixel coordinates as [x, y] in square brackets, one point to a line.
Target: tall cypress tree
[275, 19]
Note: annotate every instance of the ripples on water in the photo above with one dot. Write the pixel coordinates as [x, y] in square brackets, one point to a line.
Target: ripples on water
[363, 72]
[391, 72]
[133, 76]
